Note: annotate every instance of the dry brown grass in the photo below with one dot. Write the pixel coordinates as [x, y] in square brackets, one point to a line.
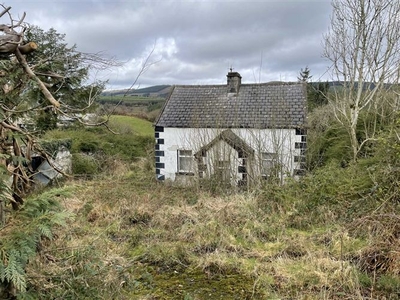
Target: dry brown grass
[136, 235]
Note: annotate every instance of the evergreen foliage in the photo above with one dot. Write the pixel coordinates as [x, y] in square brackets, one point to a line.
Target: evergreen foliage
[33, 224]
[326, 139]
[317, 92]
[30, 84]
[64, 63]
[52, 146]
[46, 120]
[5, 192]
[65, 71]
[304, 75]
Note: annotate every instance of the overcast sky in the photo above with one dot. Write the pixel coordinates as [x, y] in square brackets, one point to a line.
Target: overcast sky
[196, 42]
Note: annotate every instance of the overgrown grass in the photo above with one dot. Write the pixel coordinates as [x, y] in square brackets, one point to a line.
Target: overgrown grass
[134, 238]
[334, 234]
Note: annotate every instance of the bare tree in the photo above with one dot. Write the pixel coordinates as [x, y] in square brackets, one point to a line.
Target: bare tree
[363, 44]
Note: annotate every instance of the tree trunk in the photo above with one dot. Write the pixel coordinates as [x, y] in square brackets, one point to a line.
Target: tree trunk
[362, 44]
[28, 48]
[354, 141]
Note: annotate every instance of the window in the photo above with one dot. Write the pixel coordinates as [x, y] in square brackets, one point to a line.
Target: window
[268, 163]
[185, 161]
[301, 145]
[301, 159]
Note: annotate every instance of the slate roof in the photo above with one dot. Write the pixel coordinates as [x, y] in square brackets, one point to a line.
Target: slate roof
[265, 105]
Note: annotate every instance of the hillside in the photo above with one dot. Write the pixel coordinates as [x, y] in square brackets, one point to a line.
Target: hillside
[130, 102]
[153, 91]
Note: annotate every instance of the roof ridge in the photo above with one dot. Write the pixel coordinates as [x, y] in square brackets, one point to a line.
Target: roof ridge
[243, 84]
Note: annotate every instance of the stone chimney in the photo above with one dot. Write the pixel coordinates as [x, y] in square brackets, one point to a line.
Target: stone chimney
[234, 81]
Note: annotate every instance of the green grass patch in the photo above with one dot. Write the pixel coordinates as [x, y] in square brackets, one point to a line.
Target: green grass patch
[128, 124]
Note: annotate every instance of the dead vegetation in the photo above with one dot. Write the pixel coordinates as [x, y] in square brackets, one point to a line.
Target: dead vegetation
[134, 238]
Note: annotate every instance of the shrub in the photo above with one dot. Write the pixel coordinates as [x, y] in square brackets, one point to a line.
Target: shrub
[83, 164]
[326, 195]
[327, 140]
[89, 146]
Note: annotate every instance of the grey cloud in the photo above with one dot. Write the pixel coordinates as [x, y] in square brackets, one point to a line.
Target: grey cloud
[197, 41]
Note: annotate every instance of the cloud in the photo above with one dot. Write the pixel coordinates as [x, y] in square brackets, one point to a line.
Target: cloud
[195, 41]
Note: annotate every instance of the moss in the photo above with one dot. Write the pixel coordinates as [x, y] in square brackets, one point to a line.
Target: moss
[194, 284]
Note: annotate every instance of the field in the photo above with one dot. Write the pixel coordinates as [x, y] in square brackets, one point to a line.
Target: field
[135, 101]
[134, 125]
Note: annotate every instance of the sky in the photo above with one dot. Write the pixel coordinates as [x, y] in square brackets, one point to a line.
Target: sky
[191, 42]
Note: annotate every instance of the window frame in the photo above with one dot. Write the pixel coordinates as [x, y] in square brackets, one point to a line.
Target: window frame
[185, 156]
[272, 161]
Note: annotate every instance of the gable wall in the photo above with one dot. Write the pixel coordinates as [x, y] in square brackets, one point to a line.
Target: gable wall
[279, 141]
[221, 151]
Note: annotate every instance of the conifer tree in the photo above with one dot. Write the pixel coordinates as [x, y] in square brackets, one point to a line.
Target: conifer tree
[41, 79]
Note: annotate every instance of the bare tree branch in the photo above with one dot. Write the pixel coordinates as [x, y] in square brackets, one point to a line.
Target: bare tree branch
[363, 44]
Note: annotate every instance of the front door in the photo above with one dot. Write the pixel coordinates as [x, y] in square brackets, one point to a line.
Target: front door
[223, 171]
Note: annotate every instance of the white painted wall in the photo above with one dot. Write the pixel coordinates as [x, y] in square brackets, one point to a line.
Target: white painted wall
[280, 141]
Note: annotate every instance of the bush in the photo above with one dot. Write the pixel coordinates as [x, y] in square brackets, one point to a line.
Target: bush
[83, 164]
[327, 140]
[89, 146]
[327, 195]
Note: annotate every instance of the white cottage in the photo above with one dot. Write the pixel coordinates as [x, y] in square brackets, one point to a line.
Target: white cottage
[235, 133]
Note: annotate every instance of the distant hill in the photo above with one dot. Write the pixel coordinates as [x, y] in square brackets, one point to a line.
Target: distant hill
[149, 98]
[163, 91]
[152, 91]
[339, 84]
